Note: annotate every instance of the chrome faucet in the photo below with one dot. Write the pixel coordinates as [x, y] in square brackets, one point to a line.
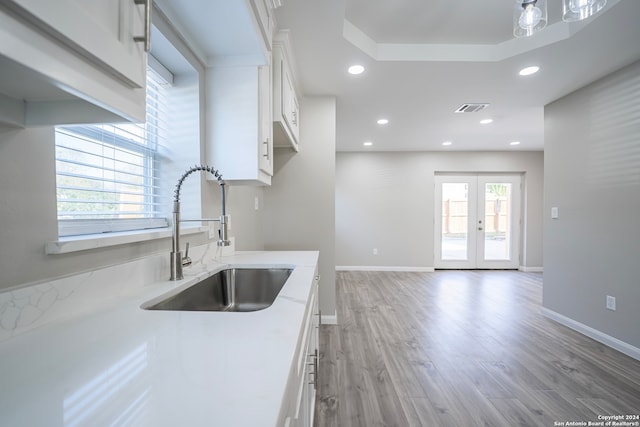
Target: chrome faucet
[176, 258]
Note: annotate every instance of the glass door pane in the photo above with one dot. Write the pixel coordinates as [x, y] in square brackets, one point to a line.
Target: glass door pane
[455, 220]
[497, 221]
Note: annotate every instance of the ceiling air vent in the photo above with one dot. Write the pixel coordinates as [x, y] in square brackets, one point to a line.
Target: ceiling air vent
[471, 108]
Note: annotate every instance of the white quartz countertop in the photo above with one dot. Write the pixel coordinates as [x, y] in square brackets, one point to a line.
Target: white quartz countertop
[122, 365]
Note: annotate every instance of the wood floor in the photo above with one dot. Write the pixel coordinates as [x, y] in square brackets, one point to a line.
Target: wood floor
[462, 348]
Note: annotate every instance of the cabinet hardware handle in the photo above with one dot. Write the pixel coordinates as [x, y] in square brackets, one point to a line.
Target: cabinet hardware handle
[266, 143]
[146, 39]
[294, 115]
[315, 371]
[319, 317]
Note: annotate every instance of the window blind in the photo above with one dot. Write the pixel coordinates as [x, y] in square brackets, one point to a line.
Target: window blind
[107, 174]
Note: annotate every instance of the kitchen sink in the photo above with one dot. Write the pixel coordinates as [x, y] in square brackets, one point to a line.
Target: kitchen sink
[233, 289]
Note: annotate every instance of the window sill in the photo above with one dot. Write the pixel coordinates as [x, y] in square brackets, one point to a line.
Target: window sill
[66, 245]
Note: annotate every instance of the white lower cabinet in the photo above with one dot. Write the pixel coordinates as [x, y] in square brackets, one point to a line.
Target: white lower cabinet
[301, 390]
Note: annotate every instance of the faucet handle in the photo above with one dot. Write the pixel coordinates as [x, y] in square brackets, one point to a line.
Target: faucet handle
[186, 261]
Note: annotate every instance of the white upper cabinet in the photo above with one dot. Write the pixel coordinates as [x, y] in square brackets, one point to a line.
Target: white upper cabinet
[80, 53]
[101, 31]
[239, 141]
[286, 110]
[265, 133]
[239, 104]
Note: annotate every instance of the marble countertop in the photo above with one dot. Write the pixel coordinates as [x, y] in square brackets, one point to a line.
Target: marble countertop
[121, 365]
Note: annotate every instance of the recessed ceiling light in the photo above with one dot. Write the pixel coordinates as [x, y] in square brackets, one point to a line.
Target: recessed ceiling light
[367, 143]
[447, 143]
[356, 69]
[514, 143]
[486, 121]
[383, 121]
[529, 70]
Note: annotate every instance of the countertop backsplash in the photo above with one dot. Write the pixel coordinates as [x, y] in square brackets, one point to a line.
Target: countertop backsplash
[32, 305]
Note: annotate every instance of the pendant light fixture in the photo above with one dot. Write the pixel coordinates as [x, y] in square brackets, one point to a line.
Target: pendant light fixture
[530, 16]
[577, 10]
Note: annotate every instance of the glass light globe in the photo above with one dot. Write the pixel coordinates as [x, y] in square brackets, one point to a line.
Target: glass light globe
[530, 17]
[577, 10]
[576, 5]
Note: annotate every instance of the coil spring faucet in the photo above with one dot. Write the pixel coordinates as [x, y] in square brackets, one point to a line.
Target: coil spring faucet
[176, 258]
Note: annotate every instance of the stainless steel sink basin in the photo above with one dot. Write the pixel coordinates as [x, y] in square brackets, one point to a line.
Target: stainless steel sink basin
[233, 289]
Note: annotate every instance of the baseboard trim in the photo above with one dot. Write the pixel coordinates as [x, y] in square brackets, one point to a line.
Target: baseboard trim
[601, 337]
[382, 268]
[330, 319]
[525, 269]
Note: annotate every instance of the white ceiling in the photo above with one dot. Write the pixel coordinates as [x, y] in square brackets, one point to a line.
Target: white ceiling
[434, 21]
[424, 58]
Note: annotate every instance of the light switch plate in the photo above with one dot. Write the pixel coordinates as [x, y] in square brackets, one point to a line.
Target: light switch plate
[554, 213]
[611, 303]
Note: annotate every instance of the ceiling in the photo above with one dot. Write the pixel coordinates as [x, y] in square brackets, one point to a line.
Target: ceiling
[424, 58]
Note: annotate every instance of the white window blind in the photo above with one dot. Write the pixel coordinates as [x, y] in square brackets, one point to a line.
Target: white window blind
[107, 175]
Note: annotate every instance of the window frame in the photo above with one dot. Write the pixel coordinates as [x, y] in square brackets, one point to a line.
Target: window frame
[148, 152]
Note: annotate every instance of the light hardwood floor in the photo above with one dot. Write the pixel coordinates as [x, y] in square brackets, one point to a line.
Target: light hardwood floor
[462, 348]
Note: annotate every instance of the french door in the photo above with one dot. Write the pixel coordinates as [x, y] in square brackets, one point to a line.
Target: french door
[477, 221]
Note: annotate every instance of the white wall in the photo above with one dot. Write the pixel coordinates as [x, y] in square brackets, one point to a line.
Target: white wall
[28, 196]
[299, 205]
[28, 214]
[592, 174]
[386, 201]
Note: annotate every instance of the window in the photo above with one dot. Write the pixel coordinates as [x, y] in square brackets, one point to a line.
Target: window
[107, 176]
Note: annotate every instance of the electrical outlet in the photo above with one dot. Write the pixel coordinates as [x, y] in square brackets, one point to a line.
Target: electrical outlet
[375, 251]
[611, 303]
[213, 230]
[256, 203]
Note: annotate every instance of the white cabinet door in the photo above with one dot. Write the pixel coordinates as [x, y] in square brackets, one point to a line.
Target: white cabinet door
[299, 400]
[285, 101]
[310, 381]
[265, 142]
[101, 31]
[289, 102]
[239, 143]
[295, 115]
[314, 356]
